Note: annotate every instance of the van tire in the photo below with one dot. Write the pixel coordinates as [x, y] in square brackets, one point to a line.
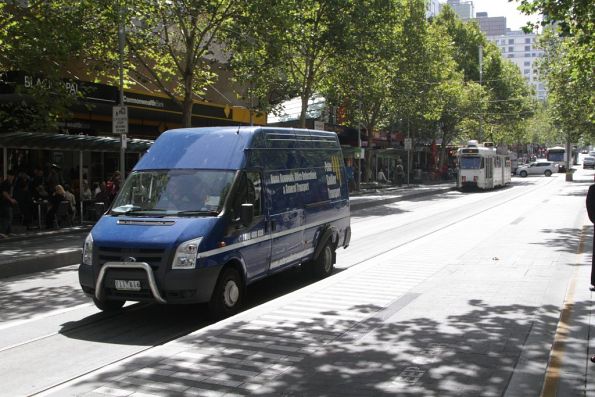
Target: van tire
[108, 305]
[523, 174]
[547, 173]
[228, 295]
[322, 266]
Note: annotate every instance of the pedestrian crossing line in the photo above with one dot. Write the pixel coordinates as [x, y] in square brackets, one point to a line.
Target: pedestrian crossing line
[343, 313]
[267, 336]
[267, 339]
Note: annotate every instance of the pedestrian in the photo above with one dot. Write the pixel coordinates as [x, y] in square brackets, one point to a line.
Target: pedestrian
[591, 213]
[71, 200]
[85, 191]
[399, 173]
[6, 204]
[53, 203]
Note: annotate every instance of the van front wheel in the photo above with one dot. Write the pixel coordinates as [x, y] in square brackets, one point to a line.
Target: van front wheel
[323, 265]
[228, 295]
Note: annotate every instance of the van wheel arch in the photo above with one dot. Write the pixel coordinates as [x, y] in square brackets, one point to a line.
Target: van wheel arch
[229, 293]
[322, 263]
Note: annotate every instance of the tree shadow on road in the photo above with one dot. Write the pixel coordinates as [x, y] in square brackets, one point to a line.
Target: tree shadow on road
[471, 352]
[25, 296]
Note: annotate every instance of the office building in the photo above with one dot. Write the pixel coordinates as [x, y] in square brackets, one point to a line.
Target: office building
[464, 9]
[520, 48]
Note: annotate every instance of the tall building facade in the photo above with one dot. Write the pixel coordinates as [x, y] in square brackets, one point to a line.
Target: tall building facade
[491, 26]
[520, 48]
[464, 9]
[432, 8]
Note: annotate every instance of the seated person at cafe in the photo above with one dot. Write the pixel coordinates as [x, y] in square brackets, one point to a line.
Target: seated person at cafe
[53, 203]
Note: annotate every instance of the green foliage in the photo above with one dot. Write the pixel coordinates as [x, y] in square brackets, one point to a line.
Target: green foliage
[571, 98]
[569, 64]
[43, 39]
[298, 40]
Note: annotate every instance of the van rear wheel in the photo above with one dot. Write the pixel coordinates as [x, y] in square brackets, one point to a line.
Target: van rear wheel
[228, 296]
[322, 266]
[108, 305]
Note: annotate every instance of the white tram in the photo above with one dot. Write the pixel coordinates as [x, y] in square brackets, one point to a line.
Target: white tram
[483, 167]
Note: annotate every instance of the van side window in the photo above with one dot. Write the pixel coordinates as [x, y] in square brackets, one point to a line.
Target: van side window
[254, 191]
[249, 192]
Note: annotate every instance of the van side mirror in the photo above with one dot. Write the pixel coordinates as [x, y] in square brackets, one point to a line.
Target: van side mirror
[247, 214]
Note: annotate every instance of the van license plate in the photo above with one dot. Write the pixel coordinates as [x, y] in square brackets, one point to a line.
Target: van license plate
[128, 285]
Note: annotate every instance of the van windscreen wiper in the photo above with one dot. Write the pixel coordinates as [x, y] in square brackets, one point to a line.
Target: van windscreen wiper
[197, 212]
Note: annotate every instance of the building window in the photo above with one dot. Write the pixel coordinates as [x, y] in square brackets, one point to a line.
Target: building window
[527, 40]
[510, 41]
[527, 71]
[527, 63]
[511, 55]
[527, 48]
[510, 49]
[527, 55]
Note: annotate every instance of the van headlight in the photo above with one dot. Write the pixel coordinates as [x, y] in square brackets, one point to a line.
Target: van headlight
[88, 250]
[186, 254]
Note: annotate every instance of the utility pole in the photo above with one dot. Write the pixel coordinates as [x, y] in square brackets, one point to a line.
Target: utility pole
[359, 149]
[121, 43]
[480, 84]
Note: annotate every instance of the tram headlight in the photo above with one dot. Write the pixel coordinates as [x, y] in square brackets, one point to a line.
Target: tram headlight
[88, 250]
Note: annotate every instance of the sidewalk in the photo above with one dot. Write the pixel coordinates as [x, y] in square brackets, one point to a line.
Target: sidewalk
[28, 251]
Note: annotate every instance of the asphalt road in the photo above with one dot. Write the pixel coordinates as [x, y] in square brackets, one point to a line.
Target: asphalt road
[51, 334]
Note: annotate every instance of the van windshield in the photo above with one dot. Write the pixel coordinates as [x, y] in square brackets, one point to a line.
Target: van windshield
[173, 193]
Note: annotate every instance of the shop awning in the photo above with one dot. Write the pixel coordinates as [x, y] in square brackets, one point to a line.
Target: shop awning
[85, 143]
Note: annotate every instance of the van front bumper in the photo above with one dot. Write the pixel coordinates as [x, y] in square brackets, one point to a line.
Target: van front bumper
[175, 286]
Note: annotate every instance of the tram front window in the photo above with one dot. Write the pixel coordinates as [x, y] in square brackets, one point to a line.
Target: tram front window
[470, 163]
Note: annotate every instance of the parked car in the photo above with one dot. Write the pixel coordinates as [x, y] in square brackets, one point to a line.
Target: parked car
[546, 168]
[589, 162]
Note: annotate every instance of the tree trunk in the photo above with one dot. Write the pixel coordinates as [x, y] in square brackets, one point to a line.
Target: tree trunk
[303, 111]
[187, 104]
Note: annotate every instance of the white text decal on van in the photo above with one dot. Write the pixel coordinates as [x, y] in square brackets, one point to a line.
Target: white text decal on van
[333, 175]
[296, 176]
[253, 234]
[292, 179]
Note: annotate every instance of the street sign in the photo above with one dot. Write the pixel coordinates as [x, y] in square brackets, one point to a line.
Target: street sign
[120, 120]
[407, 143]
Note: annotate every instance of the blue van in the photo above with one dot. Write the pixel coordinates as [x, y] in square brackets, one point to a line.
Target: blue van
[207, 211]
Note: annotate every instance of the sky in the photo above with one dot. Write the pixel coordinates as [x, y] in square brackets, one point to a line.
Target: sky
[503, 8]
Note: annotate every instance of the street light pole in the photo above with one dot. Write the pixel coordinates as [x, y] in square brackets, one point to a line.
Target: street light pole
[480, 84]
[121, 43]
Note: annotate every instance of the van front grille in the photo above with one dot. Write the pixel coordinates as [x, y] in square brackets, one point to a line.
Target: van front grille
[155, 257]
